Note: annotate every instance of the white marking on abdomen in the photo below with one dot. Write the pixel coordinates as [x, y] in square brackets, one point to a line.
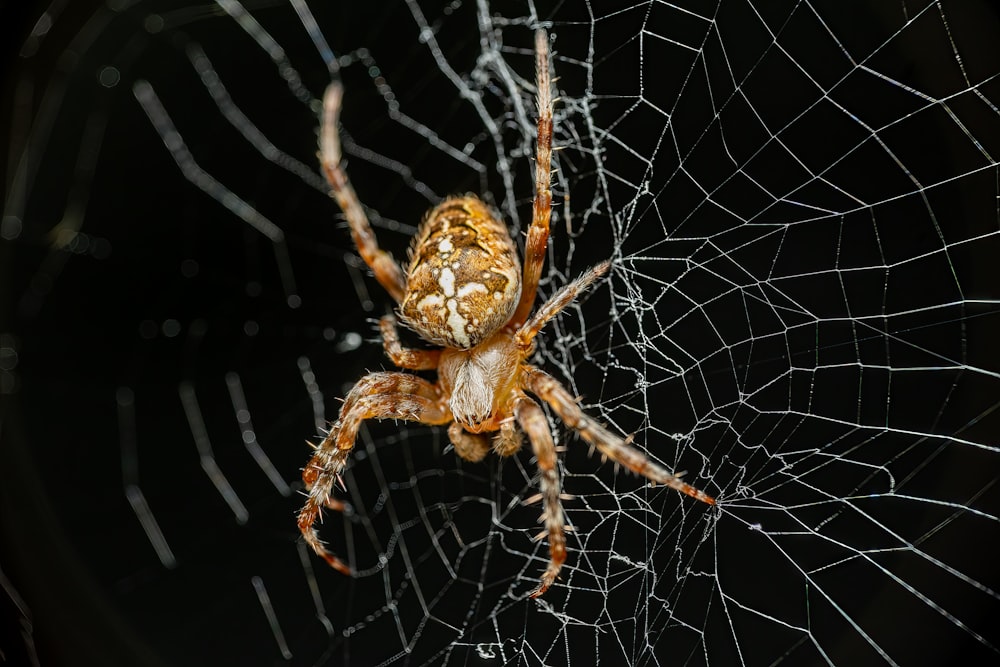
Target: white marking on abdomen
[457, 323]
[469, 288]
[447, 282]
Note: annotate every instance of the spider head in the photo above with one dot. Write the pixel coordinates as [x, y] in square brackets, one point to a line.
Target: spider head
[480, 382]
[472, 398]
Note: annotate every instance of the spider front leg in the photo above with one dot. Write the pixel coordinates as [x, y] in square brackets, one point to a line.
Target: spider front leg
[387, 271]
[610, 445]
[375, 396]
[538, 232]
[532, 420]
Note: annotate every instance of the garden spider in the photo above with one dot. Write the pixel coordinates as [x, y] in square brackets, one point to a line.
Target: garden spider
[464, 292]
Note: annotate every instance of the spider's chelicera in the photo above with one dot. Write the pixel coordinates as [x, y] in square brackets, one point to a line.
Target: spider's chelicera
[466, 292]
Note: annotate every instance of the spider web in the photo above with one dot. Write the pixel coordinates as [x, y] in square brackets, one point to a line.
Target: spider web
[801, 206]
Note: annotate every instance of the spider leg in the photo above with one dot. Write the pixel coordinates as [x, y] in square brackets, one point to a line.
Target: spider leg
[538, 232]
[532, 420]
[387, 271]
[375, 396]
[414, 360]
[559, 300]
[470, 446]
[610, 445]
[335, 505]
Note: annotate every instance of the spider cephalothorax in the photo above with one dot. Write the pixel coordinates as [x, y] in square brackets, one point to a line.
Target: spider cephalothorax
[466, 292]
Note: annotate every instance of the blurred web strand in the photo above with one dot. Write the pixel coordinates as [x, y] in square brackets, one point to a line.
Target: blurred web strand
[315, 395]
[309, 23]
[242, 410]
[239, 120]
[125, 400]
[158, 116]
[305, 558]
[270, 46]
[277, 54]
[252, 134]
[272, 618]
[206, 455]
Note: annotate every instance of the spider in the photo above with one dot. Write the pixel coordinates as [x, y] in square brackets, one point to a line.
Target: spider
[464, 291]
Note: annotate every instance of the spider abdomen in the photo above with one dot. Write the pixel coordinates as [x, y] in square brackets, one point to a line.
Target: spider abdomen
[464, 278]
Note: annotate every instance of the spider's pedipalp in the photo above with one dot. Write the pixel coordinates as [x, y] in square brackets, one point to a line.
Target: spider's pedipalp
[375, 396]
[472, 447]
[532, 420]
[610, 445]
[508, 440]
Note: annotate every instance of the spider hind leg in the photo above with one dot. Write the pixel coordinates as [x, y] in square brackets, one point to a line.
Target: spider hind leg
[532, 420]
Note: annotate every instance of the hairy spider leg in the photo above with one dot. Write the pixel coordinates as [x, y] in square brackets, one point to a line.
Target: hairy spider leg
[552, 392]
[617, 449]
[531, 418]
[565, 296]
[375, 396]
[538, 232]
[387, 272]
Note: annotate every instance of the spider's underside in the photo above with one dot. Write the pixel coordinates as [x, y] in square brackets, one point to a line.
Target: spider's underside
[465, 291]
